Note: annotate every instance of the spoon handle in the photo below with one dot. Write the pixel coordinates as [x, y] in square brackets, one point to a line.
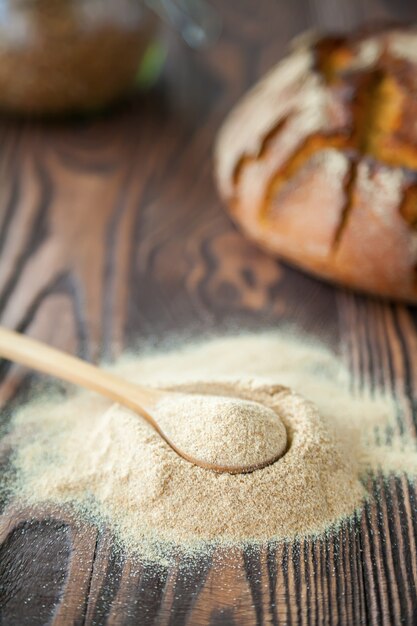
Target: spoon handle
[38, 356]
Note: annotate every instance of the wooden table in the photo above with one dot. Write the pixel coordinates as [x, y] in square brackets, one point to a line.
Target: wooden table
[110, 233]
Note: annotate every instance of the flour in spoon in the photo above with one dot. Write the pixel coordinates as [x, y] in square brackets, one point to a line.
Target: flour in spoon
[202, 427]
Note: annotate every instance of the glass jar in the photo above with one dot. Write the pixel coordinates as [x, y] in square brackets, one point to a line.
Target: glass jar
[70, 55]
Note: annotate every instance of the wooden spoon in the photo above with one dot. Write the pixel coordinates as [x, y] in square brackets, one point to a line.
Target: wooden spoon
[267, 431]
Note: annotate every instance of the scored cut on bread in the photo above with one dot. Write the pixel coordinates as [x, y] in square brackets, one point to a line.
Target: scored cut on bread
[318, 162]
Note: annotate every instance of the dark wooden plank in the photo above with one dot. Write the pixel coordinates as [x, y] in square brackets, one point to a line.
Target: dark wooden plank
[33, 567]
[389, 548]
[382, 353]
[111, 232]
[46, 559]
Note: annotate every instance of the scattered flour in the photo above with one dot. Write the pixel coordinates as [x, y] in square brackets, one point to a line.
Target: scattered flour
[110, 465]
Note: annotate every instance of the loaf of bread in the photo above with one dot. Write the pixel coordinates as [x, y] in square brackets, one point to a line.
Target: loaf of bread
[318, 162]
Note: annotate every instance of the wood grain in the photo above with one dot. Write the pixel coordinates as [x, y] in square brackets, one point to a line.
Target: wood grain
[111, 237]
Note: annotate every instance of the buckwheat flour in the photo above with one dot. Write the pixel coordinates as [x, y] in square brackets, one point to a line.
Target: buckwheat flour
[110, 465]
[229, 432]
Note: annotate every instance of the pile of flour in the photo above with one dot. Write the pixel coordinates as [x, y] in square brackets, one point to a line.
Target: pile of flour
[111, 466]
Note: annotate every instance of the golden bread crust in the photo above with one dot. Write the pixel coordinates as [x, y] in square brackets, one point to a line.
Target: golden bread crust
[318, 162]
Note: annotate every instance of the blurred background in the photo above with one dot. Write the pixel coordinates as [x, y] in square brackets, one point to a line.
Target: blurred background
[111, 229]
